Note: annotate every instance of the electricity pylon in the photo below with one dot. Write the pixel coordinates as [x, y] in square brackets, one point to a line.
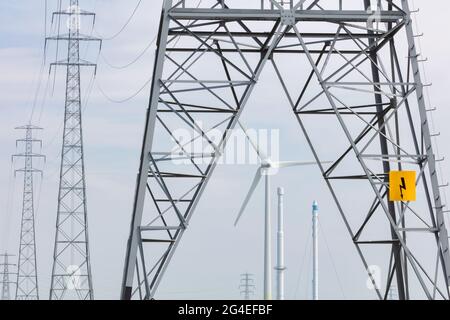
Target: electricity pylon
[27, 278]
[247, 286]
[71, 273]
[349, 73]
[5, 273]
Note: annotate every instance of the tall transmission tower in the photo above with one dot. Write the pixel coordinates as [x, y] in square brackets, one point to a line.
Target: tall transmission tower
[5, 273]
[71, 273]
[247, 286]
[342, 67]
[27, 278]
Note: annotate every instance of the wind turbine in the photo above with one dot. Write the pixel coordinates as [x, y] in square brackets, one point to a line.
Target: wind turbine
[266, 165]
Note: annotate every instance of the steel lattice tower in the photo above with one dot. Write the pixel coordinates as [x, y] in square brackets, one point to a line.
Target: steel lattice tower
[71, 274]
[350, 74]
[247, 286]
[6, 282]
[27, 279]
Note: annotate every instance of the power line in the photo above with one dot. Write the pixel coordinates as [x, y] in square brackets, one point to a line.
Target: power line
[303, 263]
[125, 25]
[57, 44]
[85, 105]
[147, 47]
[322, 232]
[139, 56]
[125, 99]
[9, 204]
[132, 61]
[44, 99]
[41, 72]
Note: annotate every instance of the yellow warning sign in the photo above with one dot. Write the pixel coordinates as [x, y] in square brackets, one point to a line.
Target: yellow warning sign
[402, 186]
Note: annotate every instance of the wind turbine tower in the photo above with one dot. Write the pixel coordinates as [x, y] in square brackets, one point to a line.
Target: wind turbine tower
[266, 169]
[280, 268]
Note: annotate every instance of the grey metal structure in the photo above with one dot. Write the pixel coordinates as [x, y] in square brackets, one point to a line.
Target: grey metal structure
[5, 274]
[351, 75]
[27, 287]
[71, 274]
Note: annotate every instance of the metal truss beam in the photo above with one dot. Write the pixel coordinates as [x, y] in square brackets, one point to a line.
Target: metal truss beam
[227, 15]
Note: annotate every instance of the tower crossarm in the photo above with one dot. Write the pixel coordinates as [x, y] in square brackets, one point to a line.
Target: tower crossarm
[79, 63]
[342, 16]
[79, 37]
[33, 155]
[81, 12]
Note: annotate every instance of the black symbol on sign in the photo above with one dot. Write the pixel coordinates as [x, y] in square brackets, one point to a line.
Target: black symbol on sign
[402, 187]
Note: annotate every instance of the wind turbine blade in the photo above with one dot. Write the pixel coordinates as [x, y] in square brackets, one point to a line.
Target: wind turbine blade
[254, 144]
[255, 183]
[287, 164]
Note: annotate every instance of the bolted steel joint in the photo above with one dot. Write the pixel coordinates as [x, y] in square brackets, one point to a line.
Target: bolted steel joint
[288, 17]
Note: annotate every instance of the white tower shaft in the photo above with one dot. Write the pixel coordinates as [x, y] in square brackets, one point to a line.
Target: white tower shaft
[267, 244]
[280, 246]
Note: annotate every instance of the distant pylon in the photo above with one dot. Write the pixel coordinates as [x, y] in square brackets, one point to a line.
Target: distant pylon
[315, 229]
[247, 286]
[27, 279]
[6, 281]
[71, 273]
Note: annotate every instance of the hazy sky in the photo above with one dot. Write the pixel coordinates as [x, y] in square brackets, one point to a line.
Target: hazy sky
[213, 253]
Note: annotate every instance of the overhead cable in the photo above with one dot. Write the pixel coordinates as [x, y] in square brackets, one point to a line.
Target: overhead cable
[126, 23]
